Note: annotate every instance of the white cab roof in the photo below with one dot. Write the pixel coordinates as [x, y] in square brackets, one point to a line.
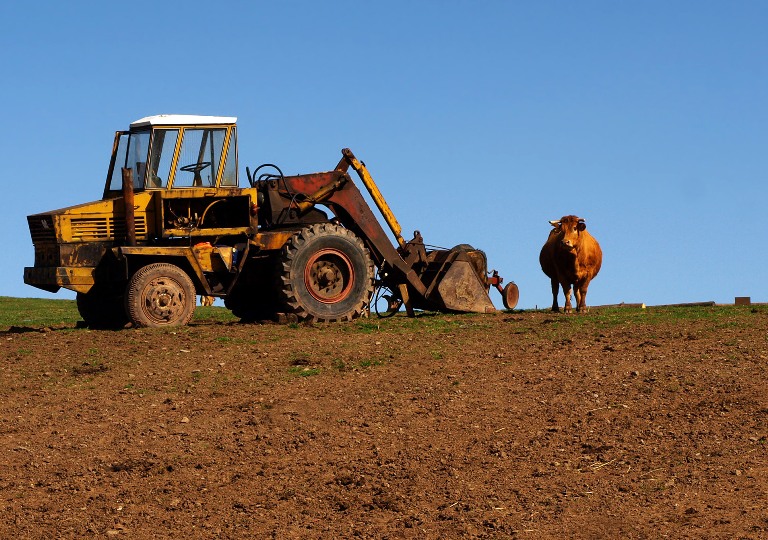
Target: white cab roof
[181, 120]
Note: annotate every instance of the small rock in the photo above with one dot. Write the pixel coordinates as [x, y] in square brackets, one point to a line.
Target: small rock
[185, 420]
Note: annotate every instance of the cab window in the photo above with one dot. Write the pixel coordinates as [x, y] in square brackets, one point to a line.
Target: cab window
[131, 153]
[163, 146]
[199, 157]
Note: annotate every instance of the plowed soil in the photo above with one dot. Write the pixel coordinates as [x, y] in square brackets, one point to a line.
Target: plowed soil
[614, 424]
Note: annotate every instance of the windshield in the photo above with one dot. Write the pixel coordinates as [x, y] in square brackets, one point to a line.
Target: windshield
[199, 157]
[132, 150]
[202, 153]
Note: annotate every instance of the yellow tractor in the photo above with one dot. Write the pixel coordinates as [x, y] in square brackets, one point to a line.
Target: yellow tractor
[174, 223]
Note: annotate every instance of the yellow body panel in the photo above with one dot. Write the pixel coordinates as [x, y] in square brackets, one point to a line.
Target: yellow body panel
[101, 220]
[271, 241]
[213, 258]
[76, 279]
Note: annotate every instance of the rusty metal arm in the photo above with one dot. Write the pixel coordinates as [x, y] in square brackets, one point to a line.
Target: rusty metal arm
[376, 195]
[336, 190]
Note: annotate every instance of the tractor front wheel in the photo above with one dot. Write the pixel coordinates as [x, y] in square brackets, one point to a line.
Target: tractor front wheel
[326, 274]
[160, 294]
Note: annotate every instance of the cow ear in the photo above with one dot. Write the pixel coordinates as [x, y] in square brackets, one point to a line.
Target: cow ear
[582, 226]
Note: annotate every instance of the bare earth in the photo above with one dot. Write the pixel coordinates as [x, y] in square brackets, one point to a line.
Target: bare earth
[626, 424]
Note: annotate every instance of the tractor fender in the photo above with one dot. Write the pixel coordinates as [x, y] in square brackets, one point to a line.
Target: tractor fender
[184, 257]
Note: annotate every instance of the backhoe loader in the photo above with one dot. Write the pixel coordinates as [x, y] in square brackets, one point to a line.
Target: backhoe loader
[174, 223]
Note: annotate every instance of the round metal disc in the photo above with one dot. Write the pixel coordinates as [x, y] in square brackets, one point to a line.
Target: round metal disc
[510, 295]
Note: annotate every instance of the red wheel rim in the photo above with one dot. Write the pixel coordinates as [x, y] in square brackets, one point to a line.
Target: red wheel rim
[329, 276]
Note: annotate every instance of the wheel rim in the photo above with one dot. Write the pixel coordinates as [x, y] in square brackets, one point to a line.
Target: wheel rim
[329, 276]
[163, 300]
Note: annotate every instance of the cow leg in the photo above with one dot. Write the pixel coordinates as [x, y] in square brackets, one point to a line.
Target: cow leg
[581, 297]
[567, 293]
[555, 291]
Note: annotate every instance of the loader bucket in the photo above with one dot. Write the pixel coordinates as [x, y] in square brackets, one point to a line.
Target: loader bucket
[460, 290]
[457, 280]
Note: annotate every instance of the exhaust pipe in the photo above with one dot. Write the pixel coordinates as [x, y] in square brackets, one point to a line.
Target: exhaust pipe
[130, 216]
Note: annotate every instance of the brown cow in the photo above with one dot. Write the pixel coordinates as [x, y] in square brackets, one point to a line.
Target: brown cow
[570, 257]
[207, 300]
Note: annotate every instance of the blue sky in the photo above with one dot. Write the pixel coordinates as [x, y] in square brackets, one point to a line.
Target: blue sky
[480, 121]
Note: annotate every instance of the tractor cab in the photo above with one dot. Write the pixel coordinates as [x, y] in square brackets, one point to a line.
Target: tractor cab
[175, 152]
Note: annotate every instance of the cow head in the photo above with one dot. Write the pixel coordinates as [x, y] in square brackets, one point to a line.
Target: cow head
[568, 230]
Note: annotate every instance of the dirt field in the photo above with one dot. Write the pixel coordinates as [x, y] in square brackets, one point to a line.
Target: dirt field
[615, 424]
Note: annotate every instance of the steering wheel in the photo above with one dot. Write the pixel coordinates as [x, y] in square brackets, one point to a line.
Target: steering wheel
[195, 167]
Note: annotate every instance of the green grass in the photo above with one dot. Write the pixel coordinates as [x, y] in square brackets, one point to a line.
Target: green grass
[37, 312]
[41, 312]
[370, 363]
[722, 316]
[304, 371]
[214, 314]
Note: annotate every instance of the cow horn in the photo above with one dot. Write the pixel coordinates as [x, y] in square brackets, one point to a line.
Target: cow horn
[554, 223]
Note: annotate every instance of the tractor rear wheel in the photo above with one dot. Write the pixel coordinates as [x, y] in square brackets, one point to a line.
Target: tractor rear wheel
[160, 294]
[325, 274]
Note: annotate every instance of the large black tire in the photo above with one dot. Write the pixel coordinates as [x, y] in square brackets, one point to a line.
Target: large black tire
[326, 274]
[160, 294]
[102, 308]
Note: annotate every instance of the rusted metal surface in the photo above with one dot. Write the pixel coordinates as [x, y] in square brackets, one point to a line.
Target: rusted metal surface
[510, 294]
[269, 241]
[329, 275]
[376, 195]
[128, 201]
[350, 208]
[52, 279]
[175, 255]
[453, 280]
[461, 290]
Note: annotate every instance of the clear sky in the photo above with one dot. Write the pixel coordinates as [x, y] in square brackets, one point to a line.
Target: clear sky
[480, 120]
